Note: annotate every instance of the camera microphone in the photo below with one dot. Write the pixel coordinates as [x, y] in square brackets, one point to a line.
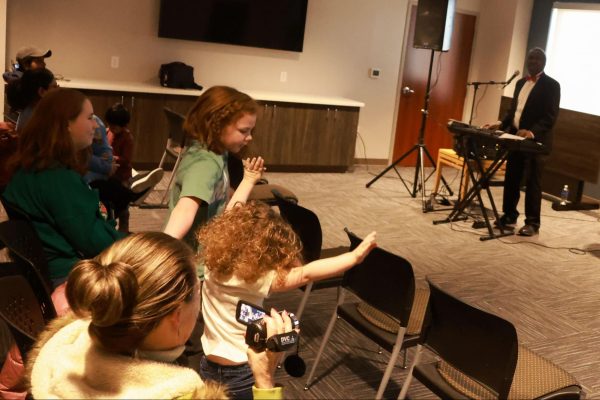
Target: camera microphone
[514, 75]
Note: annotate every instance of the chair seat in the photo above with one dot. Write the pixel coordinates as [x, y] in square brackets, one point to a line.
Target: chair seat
[264, 193]
[535, 377]
[383, 321]
[382, 337]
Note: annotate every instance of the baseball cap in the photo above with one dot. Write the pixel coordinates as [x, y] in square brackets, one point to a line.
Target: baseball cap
[32, 51]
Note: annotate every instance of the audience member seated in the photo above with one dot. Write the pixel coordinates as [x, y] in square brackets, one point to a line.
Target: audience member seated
[248, 253]
[134, 307]
[23, 94]
[47, 182]
[28, 58]
[111, 174]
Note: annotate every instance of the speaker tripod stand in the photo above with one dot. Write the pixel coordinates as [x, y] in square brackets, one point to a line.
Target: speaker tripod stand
[421, 149]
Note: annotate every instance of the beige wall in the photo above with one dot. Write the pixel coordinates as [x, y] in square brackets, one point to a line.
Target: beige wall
[343, 39]
[499, 50]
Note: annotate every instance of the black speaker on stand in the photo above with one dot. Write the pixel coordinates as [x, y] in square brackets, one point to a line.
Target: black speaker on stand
[433, 30]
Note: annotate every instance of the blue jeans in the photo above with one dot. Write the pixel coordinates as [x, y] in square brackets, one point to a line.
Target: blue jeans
[238, 378]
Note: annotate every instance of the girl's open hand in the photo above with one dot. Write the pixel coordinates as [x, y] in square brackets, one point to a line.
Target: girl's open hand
[365, 247]
[253, 168]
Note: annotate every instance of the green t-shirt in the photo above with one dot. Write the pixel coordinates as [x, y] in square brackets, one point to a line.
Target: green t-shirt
[65, 213]
[201, 174]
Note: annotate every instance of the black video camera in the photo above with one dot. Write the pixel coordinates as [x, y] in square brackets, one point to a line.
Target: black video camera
[256, 329]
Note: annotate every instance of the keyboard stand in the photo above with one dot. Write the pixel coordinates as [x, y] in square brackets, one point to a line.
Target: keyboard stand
[458, 212]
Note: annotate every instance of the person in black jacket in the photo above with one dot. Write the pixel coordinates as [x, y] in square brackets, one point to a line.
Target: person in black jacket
[532, 115]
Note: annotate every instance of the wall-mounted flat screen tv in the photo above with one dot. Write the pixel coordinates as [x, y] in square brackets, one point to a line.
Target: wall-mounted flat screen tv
[272, 24]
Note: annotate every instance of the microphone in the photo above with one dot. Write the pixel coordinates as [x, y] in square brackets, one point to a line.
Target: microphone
[514, 75]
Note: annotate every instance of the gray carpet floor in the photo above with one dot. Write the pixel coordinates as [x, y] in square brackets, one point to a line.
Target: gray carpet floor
[548, 286]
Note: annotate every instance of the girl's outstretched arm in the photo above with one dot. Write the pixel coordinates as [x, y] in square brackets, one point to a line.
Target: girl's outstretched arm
[325, 268]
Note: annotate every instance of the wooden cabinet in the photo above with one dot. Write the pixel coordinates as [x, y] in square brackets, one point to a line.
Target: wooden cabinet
[290, 136]
[297, 136]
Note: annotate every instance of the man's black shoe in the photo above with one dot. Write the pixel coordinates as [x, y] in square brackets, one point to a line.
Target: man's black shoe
[505, 221]
[529, 230]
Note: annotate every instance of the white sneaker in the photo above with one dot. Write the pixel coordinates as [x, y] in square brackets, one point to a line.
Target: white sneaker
[147, 182]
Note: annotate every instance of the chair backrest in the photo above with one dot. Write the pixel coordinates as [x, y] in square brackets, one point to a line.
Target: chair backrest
[477, 343]
[175, 120]
[25, 309]
[305, 223]
[383, 280]
[19, 236]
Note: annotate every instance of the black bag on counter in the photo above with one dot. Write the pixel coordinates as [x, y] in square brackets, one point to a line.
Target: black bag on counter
[177, 75]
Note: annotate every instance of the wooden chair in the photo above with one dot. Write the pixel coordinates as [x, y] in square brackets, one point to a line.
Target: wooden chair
[480, 357]
[386, 283]
[449, 158]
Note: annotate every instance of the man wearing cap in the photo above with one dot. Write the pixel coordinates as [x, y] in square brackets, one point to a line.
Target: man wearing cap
[29, 57]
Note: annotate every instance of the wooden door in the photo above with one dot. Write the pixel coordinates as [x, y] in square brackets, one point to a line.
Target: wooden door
[447, 93]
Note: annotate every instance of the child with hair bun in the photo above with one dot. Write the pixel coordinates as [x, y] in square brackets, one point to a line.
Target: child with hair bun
[249, 252]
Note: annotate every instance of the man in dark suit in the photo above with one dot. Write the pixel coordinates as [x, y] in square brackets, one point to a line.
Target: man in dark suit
[532, 115]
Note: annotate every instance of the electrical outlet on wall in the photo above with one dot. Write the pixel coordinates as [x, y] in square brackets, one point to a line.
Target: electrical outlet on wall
[114, 62]
[283, 76]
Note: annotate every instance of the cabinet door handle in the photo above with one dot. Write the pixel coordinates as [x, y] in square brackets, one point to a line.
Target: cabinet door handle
[122, 99]
[335, 114]
[274, 109]
[132, 103]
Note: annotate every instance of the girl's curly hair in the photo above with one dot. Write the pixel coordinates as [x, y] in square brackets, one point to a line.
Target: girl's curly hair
[248, 241]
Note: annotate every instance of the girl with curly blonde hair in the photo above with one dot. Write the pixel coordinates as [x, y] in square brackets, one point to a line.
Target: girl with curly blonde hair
[250, 252]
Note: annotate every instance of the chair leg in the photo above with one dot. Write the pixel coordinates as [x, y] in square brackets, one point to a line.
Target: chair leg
[409, 376]
[391, 364]
[304, 300]
[321, 348]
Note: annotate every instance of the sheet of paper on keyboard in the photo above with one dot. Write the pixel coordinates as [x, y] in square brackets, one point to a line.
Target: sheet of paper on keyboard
[511, 136]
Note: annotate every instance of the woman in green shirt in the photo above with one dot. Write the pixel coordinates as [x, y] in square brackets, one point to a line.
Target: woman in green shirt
[48, 187]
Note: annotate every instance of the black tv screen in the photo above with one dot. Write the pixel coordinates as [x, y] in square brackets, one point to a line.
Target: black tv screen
[272, 24]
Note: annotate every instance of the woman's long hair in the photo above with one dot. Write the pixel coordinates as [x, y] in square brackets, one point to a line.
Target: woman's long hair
[46, 142]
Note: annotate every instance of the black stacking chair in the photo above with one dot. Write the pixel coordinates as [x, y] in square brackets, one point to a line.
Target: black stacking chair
[480, 357]
[25, 303]
[263, 190]
[18, 235]
[385, 283]
[307, 226]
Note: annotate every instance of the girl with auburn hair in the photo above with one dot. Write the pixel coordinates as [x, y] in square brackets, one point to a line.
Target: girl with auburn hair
[221, 122]
[47, 184]
[250, 252]
[134, 307]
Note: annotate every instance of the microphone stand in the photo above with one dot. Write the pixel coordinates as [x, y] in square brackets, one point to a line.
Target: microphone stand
[475, 88]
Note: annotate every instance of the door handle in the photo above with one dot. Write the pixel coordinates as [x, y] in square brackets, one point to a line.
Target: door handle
[407, 90]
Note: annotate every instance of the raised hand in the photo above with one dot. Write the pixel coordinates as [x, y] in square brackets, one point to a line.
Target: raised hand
[365, 247]
[253, 169]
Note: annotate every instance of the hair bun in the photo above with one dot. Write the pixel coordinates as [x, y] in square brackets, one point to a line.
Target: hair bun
[107, 293]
